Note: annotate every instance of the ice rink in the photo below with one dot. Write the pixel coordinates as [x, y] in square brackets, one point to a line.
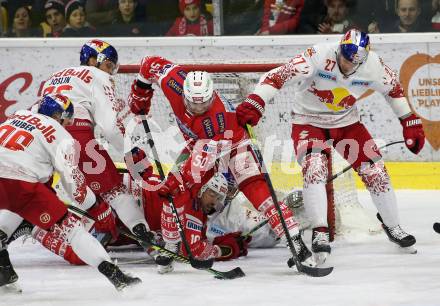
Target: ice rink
[368, 270]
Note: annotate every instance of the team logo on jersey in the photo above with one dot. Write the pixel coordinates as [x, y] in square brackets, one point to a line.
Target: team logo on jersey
[45, 218]
[335, 99]
[95, 186]
[303, 134]
[327, 76]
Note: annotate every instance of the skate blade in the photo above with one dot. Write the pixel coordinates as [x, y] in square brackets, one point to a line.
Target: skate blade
[320, 257]
[165, 269]
[11, 288]
[408, 250]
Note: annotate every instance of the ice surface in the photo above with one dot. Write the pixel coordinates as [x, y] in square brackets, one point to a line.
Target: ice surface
[369, 270]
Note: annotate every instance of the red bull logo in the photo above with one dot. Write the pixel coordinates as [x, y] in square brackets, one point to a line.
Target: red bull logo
[99, 45]
[335, 99]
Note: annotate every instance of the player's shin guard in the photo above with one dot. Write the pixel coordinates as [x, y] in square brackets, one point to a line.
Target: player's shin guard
[56, 245]
[125, 206]
[377, 182]
[315, 172]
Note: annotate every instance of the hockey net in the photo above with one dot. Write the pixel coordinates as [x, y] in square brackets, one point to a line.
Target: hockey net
[234, 81]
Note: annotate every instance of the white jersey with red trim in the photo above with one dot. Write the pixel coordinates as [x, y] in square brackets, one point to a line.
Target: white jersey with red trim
[323, 96]
[33, 146]
[93, 94]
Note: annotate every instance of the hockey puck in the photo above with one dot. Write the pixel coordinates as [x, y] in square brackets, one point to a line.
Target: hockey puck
[436, 227]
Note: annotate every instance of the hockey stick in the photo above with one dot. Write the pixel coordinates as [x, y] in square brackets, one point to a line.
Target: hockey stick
[351, 166]
[198, 264]
[234, 273]
[311, 271]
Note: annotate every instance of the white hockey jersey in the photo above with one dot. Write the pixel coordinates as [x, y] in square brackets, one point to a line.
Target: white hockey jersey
[33, 146]
[323, 96]
[93, 94]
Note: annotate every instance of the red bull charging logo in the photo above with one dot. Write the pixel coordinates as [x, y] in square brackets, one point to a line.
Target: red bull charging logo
[335, 99]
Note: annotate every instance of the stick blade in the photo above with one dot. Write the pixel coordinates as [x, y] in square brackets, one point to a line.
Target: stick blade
[232, 274]
[310, 271]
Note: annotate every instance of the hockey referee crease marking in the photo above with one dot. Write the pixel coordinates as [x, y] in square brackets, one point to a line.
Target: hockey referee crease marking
[404, 175]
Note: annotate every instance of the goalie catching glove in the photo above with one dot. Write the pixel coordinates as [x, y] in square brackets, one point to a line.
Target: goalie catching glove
[250, 111]
[232, 245]
[140, 96]
[413, 133]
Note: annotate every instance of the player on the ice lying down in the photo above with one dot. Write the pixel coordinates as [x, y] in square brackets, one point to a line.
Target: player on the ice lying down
[209, 125]
[32, 146]
[330, 78]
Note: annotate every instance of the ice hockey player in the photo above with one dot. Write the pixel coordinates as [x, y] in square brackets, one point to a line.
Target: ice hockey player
[92, 89]
[33, 146]
[209, 125]
[330, 79]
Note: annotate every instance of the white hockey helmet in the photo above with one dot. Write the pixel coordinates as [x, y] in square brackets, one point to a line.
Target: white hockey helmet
[219, 185]
[198, 92]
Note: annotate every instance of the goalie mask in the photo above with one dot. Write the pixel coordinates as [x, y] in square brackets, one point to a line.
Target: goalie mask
[213, 194]
[100, 50]
[198, 92]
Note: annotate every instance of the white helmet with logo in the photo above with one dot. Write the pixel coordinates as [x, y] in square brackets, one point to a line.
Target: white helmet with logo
[198, 92]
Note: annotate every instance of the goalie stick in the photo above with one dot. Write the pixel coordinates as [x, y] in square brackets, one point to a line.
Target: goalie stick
[293, 261]
[196, 263]
[234, 273]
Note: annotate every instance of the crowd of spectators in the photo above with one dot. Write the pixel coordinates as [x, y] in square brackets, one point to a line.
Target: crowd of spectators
[125, 18]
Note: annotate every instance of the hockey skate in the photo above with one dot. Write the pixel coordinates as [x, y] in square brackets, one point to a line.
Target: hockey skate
[143, 234]
[304, 255]
[8, 277]
[163, 261]
[116, 276]
[24, 229]
[398, 236]
[321, 244]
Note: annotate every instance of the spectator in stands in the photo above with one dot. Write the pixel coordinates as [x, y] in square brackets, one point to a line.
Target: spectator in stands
[408, 12]
[312, 14]
[193, 22]
[337, 19]
[126, 22]
[77, 25]
[54, 18]
[242, 17]
[373, 15]
[280, 16]
[20, 22]
[101, 12]
[3, 20]
[435, 21]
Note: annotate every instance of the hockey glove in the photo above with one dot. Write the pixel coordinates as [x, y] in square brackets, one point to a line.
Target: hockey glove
[104, 219]
[138, 163]
[413, 133]
[232, 245]
[140, 96]
[250, 111]
[171, 187]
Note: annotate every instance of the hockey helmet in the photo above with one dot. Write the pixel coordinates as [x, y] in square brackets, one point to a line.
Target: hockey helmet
[219, 186]
[354, 46]
[56, 103]
[101, 51]
[198, 92]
